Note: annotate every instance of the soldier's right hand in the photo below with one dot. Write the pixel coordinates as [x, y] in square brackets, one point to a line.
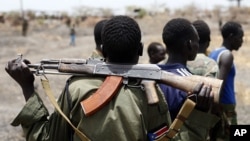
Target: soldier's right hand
[204, 97]
[20, 72]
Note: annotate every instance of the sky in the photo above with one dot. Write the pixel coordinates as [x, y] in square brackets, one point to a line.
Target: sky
[68, 5]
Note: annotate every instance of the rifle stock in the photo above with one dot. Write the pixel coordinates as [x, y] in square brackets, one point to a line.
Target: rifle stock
[188, 83]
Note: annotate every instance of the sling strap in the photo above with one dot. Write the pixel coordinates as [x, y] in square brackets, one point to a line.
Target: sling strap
[49, 93]
[183, 114]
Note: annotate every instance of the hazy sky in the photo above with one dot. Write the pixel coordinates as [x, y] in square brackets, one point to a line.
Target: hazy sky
[68, 5]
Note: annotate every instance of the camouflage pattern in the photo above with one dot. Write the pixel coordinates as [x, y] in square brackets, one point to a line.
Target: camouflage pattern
[203, 66]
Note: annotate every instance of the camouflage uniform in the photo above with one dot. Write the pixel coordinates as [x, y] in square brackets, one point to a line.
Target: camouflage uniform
[203, 66]
[97, 54]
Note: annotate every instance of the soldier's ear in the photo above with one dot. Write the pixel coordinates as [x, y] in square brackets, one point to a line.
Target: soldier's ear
[189, 46]
[140, 50]
[104, 51]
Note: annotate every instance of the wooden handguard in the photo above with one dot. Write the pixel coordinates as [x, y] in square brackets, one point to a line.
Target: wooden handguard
[149, 86]
[188, 83]
[102, 96]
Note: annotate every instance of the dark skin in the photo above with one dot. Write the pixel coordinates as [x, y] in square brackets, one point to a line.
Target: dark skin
[232, 42]
[156, 57]
[203, 47]
[19, 71]
[188, 53]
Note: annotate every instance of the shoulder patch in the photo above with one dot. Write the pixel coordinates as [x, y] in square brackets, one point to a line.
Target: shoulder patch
[157, 133]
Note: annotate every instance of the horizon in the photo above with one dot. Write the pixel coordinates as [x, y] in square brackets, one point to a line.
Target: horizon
[115, 5]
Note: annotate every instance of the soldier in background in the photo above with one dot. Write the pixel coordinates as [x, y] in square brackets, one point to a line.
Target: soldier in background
[25, 26]
[203, 65]
[156, 52]
[72, 36]
[97, 53]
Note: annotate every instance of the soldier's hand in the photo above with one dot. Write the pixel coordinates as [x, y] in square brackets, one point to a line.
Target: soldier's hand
[19, 71]
[204, 98]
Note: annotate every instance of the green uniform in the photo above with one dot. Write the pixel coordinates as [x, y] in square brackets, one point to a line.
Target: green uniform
[97, 54]
[127, 117]
[203, 66]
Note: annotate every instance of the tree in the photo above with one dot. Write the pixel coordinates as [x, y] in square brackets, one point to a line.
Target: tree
[238, 2]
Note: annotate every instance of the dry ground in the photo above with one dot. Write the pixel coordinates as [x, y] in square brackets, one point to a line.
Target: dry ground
[51, 41]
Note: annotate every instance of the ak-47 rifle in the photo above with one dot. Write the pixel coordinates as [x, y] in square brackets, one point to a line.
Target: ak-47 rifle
[141, 71]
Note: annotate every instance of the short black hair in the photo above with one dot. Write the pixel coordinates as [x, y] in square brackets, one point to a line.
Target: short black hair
[121, 38]
[152, 47]
[98, 31]
[230, 28]
[203, 30]
[176, 32]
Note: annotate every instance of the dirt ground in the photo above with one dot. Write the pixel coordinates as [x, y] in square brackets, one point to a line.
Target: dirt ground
[51, 40]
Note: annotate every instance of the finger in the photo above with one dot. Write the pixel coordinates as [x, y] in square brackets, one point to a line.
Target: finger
[23, 65]
[7, 67]
[25, 68]
[207, 99]
[208, 91]
[201, 96]
[198, 87]
[26, 61]
[211, 97]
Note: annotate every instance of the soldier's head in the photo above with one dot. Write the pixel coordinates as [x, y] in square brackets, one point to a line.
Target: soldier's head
[121, 38]
[232, 34]
[204, 35]
[98, 33]
[181, 38]
[156, 52]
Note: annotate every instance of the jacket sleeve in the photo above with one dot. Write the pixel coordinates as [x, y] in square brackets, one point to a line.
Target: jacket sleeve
[35, 123]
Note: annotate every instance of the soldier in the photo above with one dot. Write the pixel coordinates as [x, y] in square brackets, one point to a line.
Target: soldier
[97, 53]
[182, 42]
[232, 34]
[25, 26]
[72, 35]
[203, 65]
[156, 52]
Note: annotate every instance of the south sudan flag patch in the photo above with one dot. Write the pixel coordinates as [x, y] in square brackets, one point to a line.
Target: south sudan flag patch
[157, 133]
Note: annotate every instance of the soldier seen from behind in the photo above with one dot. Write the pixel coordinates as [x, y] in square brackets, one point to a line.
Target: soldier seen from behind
[182, 42]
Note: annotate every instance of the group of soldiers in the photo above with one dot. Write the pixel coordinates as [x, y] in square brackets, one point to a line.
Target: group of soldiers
[128, 116]
[217, 64]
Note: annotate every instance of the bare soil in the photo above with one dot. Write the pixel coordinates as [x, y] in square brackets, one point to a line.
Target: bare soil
[52, 41]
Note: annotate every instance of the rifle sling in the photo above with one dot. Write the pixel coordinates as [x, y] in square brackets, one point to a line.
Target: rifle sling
[183, 114]
[49, 93]
[102, 96]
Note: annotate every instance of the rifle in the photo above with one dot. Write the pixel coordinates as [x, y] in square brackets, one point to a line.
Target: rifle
[71, 66]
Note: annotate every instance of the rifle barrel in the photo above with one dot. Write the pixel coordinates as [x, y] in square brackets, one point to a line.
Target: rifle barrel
[43, 66]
